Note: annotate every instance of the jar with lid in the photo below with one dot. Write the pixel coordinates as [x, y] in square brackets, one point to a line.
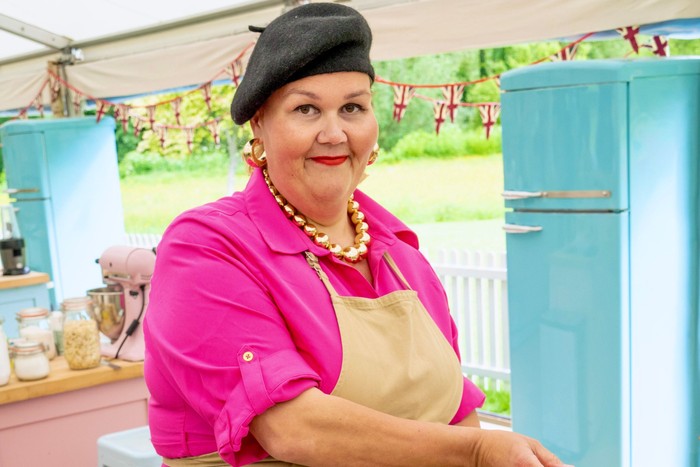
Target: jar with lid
[4, 357]
[81, 337]
[31, 362]
[34, 326]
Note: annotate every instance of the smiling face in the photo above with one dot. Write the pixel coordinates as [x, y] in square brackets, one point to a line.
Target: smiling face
[318, 133]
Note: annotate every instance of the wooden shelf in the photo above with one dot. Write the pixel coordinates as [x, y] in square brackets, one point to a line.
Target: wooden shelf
[23, 280]
[63, 379]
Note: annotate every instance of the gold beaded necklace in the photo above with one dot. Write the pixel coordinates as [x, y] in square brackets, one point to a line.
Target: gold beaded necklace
[350, 254]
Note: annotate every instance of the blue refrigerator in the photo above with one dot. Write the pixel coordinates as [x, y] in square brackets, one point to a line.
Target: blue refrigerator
[63, 178]
[601, 162]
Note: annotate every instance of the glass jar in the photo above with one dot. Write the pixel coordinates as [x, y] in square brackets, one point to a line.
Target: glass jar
[31, 362]
[4, 357]
[34, 326]
[81, 337]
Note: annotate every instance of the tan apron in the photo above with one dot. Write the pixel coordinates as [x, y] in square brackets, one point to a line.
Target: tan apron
[395, 360]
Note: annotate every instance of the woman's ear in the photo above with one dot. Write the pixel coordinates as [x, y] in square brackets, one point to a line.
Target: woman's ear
[256, 123]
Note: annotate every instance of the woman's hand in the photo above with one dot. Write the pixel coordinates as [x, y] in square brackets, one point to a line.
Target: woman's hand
[497, 448]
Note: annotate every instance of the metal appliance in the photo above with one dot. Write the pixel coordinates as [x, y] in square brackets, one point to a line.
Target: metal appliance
[601, 163]
[12, 252]
[120, 307]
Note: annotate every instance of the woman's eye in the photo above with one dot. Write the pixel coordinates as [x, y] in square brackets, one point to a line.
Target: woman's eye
[352, 108]
[305, 109]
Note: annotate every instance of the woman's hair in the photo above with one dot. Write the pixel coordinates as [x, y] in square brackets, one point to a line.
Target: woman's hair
[308, 40]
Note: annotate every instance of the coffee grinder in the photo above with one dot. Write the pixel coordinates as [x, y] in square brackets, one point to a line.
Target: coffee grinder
[12, 251]
[120, 307]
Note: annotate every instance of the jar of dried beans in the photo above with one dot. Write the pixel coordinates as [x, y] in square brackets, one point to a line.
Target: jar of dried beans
[81, 337]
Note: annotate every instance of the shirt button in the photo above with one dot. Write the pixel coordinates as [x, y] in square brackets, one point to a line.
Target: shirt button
[248, 356]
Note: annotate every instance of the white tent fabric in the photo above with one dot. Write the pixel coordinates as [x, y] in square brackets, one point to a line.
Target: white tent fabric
[192, 54]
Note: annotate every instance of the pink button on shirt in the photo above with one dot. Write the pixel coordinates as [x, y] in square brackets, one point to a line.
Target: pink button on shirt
[231, 283]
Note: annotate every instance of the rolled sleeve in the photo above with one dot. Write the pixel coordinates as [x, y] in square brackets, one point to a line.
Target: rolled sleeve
[266, 381]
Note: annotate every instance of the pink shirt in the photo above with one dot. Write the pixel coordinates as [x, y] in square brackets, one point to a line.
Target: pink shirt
[231, 278]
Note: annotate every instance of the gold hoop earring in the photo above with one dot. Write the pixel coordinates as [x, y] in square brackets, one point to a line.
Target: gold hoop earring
[373, 155]
[254, 153]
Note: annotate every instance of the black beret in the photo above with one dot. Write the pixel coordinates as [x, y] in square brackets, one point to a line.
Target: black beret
[308, 40]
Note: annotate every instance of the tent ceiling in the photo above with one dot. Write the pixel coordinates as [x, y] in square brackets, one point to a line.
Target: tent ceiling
[139, 47]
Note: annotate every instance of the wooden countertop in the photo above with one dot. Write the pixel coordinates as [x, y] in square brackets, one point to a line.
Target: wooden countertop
[63, 379]
[23, 280]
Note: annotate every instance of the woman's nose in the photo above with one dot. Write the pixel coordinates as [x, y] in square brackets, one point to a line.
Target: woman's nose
[332, 132]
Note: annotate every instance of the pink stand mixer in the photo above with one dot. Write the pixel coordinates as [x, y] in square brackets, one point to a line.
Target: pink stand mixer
[120, 307]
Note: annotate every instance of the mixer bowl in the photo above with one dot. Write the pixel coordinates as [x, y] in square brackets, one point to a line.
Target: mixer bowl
[108, 309]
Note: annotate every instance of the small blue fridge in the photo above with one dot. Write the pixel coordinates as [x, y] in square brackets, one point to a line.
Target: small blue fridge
[601, 173]
[63, 178]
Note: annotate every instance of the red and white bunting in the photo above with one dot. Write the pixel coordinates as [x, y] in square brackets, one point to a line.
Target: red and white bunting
[630, 33]
[565, 54]
[235, 71]
[440, 110]
[77, 102]
[151, 111]
[22, 114]
[659, 46]
[453, 96]
[39, 105]
[497, 80]
[162, 132]
[206, 90]
[402, 94]
[213, 126]
[489, 115]
[189, 135]
[176, 109]
[136, 121]
[123, 116]
[102, 108]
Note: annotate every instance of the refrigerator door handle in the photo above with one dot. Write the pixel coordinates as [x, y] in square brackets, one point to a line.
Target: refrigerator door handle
[556, 194]
[14, 191]
[521, 194]
[521, 229]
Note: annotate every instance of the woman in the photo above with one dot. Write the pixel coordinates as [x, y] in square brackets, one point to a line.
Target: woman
[296, 322]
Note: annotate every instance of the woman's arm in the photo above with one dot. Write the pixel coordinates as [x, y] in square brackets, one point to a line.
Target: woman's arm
[318, 429]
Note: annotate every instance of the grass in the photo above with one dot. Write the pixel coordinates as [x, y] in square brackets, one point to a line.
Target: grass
[449, 202]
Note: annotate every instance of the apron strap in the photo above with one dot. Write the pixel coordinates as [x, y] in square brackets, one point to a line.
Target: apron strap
[313, 262]
[397, 271]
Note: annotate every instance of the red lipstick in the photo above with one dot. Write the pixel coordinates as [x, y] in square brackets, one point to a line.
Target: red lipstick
[330, 160]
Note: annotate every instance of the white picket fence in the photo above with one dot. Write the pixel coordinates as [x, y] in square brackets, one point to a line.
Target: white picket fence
[475, 283]
[476, 288]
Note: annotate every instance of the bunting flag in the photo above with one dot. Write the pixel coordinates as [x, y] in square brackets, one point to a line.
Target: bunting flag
[162, 132]
[151, 110]
[176, 109]
[565, 54]
[497, 79]
[39, 105]
[214, 129]
[659, 46]
[453, 96]
[189, 134]
[489, 115]
[137, 126]
[206, 90]
[121, 113]
[630, 34]
[402, 94]
[23, 114]
[77, 102]
[440, 109]
[102, 108]
[235, 71]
